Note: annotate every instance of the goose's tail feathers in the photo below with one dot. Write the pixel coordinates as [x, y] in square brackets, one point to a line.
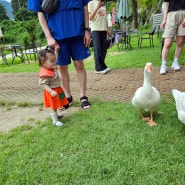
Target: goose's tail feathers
[176, 93]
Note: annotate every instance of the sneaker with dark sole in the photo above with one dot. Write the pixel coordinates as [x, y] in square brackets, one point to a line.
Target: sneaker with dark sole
[163, 70]
[108, 69]
[175, 66]
[70, 100]
[101, 72]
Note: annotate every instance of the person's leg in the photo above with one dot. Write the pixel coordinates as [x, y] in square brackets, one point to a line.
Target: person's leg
[65, 83]
[104, 48]
[98, 55]
[82, 82]
[165, 51]
[166, 48]
[54, 118]
[179, 46]
[178, 52]
[65, 80]
[64, 59]
[81, 76]
[78, 54]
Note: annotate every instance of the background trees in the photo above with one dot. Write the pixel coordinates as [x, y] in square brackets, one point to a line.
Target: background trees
[24, 28]
[141, 10]
[146, 8]
[3, 15]
[20, 11]
[18, 30]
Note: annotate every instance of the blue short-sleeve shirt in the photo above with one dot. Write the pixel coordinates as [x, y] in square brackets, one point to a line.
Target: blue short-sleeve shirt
[67, 22]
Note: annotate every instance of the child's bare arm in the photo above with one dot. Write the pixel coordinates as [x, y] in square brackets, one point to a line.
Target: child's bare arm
[48, 88]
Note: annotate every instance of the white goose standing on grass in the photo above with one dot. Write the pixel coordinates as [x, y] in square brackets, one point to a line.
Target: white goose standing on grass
[147, 97]
[180, 104]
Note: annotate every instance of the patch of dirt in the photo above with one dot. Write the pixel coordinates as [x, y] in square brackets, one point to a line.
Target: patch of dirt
[14, 116]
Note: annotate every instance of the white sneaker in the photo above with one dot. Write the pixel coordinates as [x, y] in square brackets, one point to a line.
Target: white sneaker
[107, 69]
[175, 66]
[163, 70]
[58, 124]
[101, 72]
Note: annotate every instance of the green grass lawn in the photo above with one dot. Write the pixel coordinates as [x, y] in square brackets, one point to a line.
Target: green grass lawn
[107, 145]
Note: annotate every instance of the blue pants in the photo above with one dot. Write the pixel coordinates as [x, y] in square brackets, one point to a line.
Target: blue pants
[99, 39]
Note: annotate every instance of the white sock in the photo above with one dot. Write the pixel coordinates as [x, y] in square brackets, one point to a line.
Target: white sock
[164, 63]
[176, 60]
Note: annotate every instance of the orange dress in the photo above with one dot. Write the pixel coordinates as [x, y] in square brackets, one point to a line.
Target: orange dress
[50, 77]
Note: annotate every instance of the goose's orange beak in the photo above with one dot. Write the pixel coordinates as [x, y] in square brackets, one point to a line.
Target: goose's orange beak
[149, 67]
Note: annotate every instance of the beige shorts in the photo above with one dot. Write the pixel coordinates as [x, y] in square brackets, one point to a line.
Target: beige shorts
[173, 25]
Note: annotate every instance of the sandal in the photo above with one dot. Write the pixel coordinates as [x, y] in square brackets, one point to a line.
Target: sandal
[70, 100]
[60, 116]
[85, 103]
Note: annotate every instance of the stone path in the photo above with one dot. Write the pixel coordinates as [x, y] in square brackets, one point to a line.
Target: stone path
[117, 85]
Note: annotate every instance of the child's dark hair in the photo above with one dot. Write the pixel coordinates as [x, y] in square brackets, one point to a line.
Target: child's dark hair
[42, 54]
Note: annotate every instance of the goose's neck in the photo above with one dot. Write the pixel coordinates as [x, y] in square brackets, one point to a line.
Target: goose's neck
[147, 80]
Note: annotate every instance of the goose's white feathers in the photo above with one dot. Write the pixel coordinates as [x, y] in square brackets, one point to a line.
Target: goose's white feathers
[147, 97]
[180, 104]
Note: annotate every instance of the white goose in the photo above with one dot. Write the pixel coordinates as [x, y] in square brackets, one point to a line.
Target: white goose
[147, 97]
[180, 104]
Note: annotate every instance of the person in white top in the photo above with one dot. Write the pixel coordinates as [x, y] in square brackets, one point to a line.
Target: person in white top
[99, 31]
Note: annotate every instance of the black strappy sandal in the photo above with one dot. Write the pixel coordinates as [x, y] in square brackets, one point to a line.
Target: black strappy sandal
[70, 100]
[85, 103]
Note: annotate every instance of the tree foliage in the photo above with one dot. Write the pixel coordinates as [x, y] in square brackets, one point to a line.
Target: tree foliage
[142, 10]
[3, 15]
[20, 11]
[22, 31]
[17, 4]
[147, 8]
[23, 14]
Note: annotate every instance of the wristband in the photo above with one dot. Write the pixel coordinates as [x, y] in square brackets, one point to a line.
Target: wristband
[87, 29]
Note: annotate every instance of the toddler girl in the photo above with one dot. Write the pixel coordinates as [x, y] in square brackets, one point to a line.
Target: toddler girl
[54, 96]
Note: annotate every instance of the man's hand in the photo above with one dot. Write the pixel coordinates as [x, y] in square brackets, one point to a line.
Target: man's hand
[163, 24]
[183, 23]
[87, 38]
[109, 33]
[52, 42]
[100, 4]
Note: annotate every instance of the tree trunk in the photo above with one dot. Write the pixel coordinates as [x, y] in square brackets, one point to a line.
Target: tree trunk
[135, 14]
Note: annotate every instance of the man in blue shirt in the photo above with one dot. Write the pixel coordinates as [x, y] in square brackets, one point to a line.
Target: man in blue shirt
[68, 29]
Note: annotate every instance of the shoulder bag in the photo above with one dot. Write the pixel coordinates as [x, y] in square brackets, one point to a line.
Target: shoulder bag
[50, 6]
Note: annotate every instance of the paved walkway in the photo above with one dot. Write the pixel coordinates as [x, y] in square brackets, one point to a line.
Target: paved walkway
[118, 84]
